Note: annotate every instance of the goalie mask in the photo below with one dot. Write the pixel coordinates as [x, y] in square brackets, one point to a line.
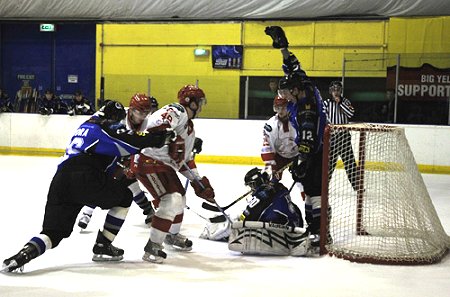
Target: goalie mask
[254, 178]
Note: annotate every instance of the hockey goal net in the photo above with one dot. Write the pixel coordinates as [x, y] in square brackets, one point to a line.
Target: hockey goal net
[379, 212]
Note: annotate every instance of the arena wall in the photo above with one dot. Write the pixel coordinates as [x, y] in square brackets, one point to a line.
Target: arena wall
[224, 141]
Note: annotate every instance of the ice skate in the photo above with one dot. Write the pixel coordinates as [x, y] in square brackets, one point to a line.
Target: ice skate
[178, 242]
[104, 251]
[84, 221]
[149, 212]
[314, 249]
[301, 246]
[16, 262]
[154, 252]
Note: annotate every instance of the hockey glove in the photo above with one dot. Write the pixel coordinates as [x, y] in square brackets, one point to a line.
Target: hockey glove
[278, 36]
[198, 142]
[125, 164]
[203, 189]
[176, 149]
[46, 111]
[298, 169]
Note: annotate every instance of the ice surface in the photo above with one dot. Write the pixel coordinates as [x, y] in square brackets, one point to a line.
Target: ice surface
[209, 269]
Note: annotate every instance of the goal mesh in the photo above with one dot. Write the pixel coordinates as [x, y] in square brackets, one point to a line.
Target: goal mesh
[387, 216]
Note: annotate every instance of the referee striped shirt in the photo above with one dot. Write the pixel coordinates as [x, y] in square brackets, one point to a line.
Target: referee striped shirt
[338, 113]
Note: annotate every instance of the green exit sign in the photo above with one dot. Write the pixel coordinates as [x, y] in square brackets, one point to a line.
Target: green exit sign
[47, 27]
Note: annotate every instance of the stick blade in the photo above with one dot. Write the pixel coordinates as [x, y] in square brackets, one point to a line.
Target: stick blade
[210, 207]
[218, 219]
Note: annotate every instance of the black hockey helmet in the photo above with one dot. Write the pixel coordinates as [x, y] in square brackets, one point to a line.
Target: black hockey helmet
[254, 178]
[154, 103]
[296, 79]
[112, 111]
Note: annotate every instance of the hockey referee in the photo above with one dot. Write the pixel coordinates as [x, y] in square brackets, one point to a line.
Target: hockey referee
[339, 110]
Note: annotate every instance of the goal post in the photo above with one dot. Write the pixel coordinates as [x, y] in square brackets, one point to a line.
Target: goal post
[381, 212]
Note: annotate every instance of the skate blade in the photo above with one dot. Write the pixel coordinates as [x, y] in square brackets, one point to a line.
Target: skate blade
[179, 248]
[152, 258]
[106, 258]
[6, 268]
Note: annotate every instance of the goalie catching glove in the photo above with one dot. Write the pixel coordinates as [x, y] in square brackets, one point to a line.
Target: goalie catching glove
[203, 189]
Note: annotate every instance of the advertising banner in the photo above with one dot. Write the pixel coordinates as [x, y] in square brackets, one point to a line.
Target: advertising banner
[420, 83]
[227, 56]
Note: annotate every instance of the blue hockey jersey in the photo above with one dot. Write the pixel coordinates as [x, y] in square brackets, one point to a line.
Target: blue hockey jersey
[272, 203]
[101, 144]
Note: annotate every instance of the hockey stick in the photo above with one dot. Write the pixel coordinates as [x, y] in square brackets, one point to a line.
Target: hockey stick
[207, 206]
[203, 187]
[217, 219]
[210, 207]
[293, 184]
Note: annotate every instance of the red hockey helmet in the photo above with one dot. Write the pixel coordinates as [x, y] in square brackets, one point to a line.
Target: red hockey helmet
[141, 102]
[279, 103]
[191, 93]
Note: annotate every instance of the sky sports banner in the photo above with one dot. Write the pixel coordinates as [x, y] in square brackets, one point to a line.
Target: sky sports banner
[420, 83]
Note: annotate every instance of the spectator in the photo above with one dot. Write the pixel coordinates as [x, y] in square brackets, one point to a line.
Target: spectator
[5, 103]
[80, 105]
[273, 86]
[50, 104]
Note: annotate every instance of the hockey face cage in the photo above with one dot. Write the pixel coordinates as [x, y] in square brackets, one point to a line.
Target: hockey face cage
[381, 212]
[254, 178]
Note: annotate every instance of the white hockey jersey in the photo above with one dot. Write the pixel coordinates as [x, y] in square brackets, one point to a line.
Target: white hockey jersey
[278, 139]
[174, 116]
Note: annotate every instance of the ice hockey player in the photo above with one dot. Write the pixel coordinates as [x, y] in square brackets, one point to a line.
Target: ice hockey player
[156, 169]
[84, 176]
[140, 107]
[271, 201]
[271, 224]
[309, 118]
[279, 147]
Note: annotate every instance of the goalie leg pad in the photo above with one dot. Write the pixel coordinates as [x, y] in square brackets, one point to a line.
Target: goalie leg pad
[217, 231]
[260, 238]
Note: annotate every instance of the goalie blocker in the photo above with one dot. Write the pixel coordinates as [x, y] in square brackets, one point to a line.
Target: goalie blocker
[262, 238]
